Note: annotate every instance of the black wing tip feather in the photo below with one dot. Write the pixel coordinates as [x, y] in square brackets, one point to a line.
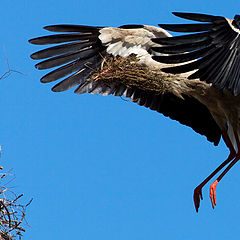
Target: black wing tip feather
[78, 44]
[132, 26]
[56, 90]
[195, 27]
[33, 56]
[34, 41]
[72, 28]
[54, 27]
[200, 17]
[49, 27]
[206, 22]
[191, 16]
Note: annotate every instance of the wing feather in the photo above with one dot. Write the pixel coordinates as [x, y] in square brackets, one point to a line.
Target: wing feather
[80, 51]
[214, 51]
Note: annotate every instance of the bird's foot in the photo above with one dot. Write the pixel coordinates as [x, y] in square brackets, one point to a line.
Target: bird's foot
[197, 196]
[213, 193]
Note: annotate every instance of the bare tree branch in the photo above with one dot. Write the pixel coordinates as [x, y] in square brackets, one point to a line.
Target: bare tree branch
[12, 213]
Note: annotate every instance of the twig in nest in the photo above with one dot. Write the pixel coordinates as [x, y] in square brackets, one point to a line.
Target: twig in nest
[130, 73]
[12, 213]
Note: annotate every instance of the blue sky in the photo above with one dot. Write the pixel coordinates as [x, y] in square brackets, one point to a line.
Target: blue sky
[100, 167]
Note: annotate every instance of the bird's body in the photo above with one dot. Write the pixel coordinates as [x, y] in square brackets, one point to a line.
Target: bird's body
[198, 74]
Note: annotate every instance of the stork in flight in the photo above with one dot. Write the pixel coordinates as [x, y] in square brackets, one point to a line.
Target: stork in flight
[202, 92]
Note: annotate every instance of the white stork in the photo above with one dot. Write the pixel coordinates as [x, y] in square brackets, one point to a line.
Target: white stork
[205, 100]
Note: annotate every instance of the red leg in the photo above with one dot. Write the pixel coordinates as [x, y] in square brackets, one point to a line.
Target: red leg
[213, 193]
[198, 190]
[214, 184]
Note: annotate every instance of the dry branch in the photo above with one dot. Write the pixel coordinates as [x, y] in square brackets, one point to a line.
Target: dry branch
[131, 74]
[12, 213]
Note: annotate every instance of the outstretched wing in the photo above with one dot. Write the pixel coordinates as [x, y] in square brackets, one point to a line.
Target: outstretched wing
[81, 49]
[214, 50]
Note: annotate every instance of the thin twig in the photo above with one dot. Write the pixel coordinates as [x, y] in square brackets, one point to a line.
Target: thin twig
[12, 213]
[7, 73]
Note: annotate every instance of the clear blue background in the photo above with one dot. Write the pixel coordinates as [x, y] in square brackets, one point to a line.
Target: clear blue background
[100, 167]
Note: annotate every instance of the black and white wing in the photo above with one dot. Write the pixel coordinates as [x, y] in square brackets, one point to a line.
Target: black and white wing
[80, 49]
[213, 50]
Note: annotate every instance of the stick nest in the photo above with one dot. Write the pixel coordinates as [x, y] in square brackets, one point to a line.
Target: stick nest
[12, 213]
[128, 72]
